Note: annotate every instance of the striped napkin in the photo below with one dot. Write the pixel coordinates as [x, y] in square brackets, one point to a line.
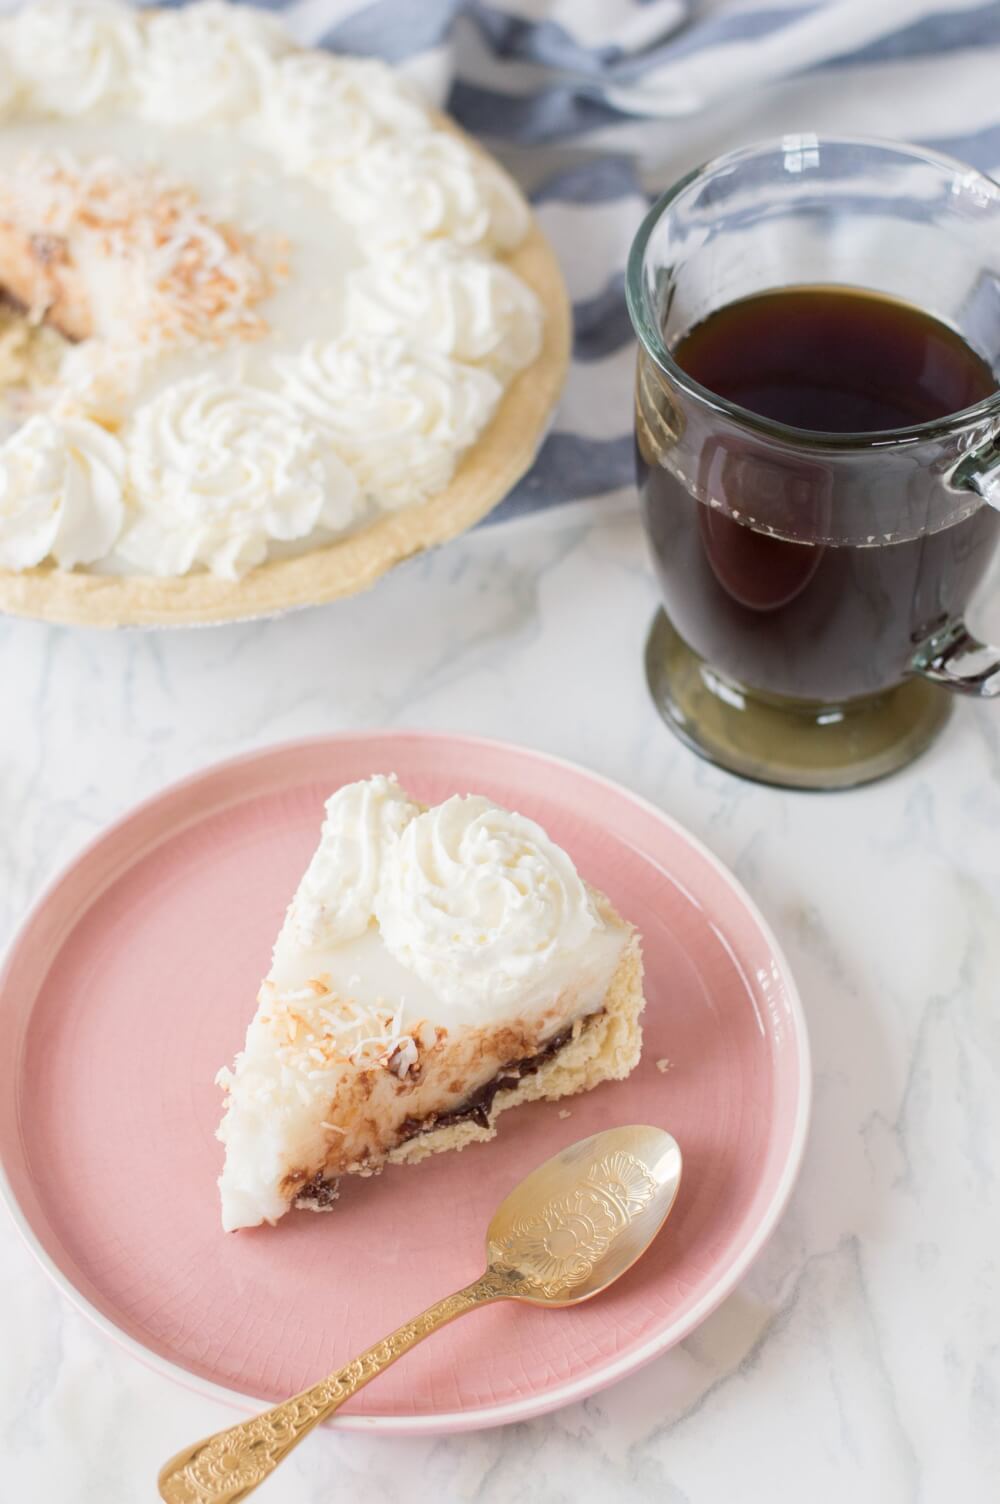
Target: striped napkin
[596, 105]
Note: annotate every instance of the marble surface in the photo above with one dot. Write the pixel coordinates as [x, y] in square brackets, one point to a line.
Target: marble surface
[861, 1357]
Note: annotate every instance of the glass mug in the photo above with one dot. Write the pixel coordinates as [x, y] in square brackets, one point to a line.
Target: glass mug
[815, 584]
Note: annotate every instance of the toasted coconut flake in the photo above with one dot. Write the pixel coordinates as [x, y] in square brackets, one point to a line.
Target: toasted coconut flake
[130, 257]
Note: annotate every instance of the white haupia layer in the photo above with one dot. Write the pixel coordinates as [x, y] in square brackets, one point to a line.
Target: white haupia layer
[416, 939]
[388, 334]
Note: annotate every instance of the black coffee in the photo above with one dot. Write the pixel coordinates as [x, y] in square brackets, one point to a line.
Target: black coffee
[835, 360]
[821, 620]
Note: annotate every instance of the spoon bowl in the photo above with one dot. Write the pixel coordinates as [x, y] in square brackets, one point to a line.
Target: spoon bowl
[574, 1225]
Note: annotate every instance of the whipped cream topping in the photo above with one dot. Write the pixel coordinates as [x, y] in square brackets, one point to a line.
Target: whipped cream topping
[74, 56]
[319, 110]
[208, 62]
[336, 897]
[394, 224]
[475, 310]
[217, 470]
[60, 493]
[400, 192]
[399, 415]
[480, 904]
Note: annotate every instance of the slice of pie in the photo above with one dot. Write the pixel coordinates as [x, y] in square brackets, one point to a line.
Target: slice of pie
[435, 967]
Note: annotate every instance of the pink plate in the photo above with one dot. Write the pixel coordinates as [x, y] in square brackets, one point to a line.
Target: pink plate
[133, 980]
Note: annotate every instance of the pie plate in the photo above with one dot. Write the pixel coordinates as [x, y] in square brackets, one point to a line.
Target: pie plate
[133, 980]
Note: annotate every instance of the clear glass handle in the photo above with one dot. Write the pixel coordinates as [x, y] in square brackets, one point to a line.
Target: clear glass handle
[957, 659]
[979, 471]
[953, 656]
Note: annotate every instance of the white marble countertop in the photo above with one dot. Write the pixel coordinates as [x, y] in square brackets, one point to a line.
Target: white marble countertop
[861, 1358]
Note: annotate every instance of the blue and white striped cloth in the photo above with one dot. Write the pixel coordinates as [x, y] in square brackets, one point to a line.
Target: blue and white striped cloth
[596, 105]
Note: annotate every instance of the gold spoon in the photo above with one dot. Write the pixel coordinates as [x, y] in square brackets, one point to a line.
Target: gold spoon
[563, 1235]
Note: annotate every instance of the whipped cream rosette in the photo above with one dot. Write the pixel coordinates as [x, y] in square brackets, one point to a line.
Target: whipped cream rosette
[336, 898]
[432, 186]
[319, 111]
[71, 57]
[467, 307]
[60, 493]
[217, 471]
[481, 905]
[207, 62]
[398, 414]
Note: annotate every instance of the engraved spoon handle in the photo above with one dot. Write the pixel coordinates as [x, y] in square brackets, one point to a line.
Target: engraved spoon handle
[229, 1465]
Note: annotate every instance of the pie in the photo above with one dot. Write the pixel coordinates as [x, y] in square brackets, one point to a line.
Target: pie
[435, 967]
[271, 324]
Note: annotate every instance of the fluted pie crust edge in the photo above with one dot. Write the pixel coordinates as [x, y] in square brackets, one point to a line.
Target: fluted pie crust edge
[487, 472]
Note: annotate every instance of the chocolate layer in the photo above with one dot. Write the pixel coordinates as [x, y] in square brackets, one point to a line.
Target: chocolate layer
[477, 1107]
[319, 1193]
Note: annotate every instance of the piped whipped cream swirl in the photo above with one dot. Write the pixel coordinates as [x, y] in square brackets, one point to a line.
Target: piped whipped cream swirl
[399, 415]
[318, 110]
[399, 192]
[481, 904]
[336, 897]
[74, 56]
[474, 310]
[60, 493]
[207, 62]
[218, 469]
